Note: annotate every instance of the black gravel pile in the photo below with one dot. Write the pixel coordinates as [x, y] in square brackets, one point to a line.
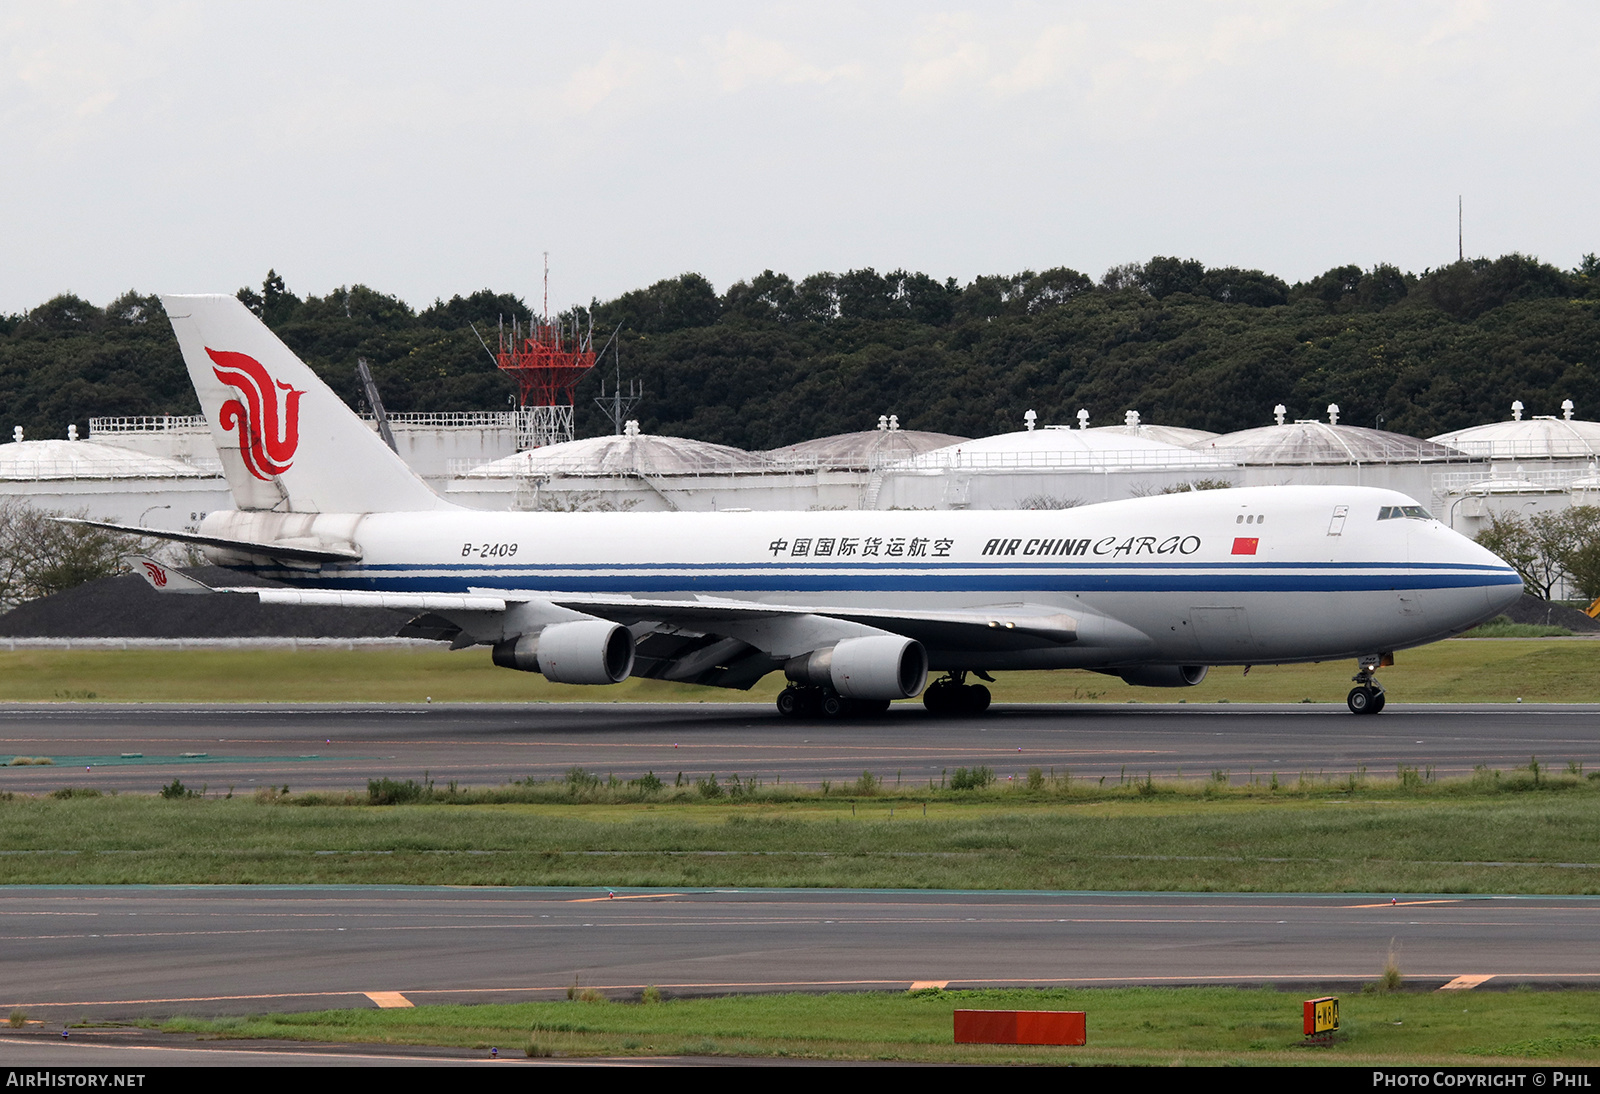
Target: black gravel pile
[127, 607]
[1530, 609]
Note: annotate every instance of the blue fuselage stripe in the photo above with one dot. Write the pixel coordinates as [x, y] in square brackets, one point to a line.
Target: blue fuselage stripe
[634, 579]
[919, 565]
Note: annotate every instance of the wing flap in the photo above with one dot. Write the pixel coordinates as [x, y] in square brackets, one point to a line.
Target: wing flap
[701, 659]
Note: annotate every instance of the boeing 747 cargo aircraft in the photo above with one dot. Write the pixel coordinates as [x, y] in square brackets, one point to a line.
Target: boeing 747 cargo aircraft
[855, 608]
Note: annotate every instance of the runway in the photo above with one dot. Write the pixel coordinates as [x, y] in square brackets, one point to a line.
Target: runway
[106, 952]
[139, 748]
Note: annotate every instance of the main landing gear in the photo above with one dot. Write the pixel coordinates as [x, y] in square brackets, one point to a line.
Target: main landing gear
[1367, 696]
[952, 695]
[802, 701]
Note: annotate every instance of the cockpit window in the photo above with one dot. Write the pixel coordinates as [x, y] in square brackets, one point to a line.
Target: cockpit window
[1404, 512]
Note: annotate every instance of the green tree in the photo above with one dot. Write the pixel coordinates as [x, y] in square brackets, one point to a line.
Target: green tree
[40, 556]
[1549, 548]
[1163, 277]
[769, 296]
[1468, 289]
[1582, 561]
[277, 302]
[1252, 287]
[776, 360]
[674, 304]
[1509, 536]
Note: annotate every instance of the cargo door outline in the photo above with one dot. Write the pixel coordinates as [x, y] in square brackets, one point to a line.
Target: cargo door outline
[1222, 634]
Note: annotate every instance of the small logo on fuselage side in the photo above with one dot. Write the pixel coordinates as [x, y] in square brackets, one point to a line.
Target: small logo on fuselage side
[269, 432]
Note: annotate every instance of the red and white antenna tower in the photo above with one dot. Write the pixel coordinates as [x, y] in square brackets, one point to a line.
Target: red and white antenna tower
[547, 360]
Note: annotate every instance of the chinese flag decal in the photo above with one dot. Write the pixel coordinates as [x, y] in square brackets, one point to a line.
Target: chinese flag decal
[1245, 546]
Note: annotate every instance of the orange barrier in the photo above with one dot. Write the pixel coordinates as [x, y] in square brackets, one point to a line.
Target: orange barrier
[1021, 1027]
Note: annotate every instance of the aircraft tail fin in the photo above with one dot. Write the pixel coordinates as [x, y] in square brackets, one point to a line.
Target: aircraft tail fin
[287, 442]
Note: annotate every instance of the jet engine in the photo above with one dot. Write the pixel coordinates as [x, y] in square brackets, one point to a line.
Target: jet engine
[588, 651]
[880, 667]
[1164, 676]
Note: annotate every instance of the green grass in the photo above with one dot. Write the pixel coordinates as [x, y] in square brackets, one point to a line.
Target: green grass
[1504, 833]
[1501, 626]
[1537, 670]
[1493, 833]
[1125, 1026]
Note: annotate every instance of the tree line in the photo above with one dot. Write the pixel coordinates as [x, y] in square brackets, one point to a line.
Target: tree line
[772, 360]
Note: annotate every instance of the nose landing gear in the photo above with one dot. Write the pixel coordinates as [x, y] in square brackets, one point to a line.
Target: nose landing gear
[1367, 696]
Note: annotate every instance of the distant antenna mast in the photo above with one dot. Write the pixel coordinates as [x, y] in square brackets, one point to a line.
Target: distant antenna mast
[617, 405]
[547, 360]
[1461, 250]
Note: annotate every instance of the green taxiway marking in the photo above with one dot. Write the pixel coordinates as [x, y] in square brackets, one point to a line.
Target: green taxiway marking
[181, 758]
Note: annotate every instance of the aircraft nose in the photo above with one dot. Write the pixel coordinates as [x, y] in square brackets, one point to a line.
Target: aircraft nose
[1502, 597]
[1502, 585]
[1505, 586]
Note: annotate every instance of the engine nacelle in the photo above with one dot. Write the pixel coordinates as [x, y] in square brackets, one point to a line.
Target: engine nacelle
[588, 651]
[880, 667]
[1164, 676]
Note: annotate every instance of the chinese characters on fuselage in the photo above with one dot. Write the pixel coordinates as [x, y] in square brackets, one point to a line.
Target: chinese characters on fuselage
[925, 547]
[862, 547]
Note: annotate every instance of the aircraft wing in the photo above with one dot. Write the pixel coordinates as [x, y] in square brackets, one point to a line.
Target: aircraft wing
[731, 643]
[999, 626]
[707, 640]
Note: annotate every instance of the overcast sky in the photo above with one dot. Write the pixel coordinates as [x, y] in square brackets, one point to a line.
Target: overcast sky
[431, 149]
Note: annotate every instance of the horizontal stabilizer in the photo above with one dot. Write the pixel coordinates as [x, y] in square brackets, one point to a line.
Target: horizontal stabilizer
[163, 578]
[290, 552]
[166, 579]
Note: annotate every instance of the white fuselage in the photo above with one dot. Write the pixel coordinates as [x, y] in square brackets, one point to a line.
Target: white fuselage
[1240, 576]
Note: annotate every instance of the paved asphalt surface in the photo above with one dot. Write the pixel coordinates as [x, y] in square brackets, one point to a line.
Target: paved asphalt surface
[121, 951]
[76, 952]
[140, 748]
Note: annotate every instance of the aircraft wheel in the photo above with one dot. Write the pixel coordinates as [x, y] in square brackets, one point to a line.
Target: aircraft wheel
[1378, 701]
[791, 704]
[832, 705]
[1363, 700]
[977, 699]
[937, 698]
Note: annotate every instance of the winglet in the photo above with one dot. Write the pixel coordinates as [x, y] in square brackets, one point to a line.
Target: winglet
[165, 579]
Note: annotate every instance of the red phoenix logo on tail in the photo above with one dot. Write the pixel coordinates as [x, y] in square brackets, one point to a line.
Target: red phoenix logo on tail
[268, 433]
[158, 576]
